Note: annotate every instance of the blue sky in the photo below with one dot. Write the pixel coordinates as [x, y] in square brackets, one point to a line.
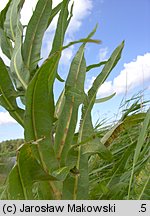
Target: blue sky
[117, 20]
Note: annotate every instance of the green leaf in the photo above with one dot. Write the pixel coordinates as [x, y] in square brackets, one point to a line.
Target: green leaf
[39, 119]
[12, 17]
[19, 72]
[34, 33]
[27, 171]
[101, 100]
[7, 100]
[14, 188]
[95, 65]
[43, 191]
[111, 63]
[62, 24]
[83, 40]
[74, 95]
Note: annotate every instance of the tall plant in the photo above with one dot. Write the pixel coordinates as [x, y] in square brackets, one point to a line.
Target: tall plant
[53, 161]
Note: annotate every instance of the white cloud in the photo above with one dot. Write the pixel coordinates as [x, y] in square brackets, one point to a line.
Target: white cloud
[103, 53]
[5, 118]
[135, 74]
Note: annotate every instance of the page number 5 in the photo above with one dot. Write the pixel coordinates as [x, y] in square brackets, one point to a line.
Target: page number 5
[143, 208]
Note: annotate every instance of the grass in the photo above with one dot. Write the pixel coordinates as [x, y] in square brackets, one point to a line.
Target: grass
[129, 142]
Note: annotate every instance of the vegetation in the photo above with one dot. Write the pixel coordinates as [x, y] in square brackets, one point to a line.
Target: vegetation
[55, 161]
[127, 176]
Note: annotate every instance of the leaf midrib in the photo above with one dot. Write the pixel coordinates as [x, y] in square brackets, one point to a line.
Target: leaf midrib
[34, 118]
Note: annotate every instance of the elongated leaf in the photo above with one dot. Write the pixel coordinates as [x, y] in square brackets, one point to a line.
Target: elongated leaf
[7, 100]
[111, 63]
[83, 40]
[34, 33]
[95, 65]
[12, 17]
[39, 119]
[101, 100]
[19, 72]
[74, 95]
[62, 24]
